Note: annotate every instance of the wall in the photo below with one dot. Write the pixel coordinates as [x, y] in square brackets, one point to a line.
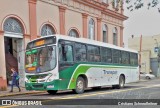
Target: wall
[73, 19]
[47, 13]
[148, 45]
[16, 8]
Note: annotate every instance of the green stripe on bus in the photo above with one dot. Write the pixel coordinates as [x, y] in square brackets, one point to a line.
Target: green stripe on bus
[69, 75]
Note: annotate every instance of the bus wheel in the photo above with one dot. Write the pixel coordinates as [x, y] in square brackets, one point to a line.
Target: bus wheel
[121, 82]
[80, 85]
[52, 92]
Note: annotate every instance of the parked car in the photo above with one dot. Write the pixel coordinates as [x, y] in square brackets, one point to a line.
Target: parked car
[146, 75]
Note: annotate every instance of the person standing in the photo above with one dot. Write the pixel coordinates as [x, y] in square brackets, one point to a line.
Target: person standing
[15, 79]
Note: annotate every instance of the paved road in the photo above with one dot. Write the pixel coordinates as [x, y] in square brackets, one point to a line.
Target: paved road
[99, 98]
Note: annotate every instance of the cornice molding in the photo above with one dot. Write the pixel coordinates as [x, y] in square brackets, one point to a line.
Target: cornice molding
[91, 3]
[32, 1]
[103, 8]
[115, 14]
[62, 8]
[84, 15]
[99, 19]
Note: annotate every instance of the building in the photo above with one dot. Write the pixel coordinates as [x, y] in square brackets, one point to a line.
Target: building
[25, 20]
[149, 50]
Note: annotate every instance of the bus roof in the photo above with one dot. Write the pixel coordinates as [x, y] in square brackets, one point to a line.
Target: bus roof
[88, 41]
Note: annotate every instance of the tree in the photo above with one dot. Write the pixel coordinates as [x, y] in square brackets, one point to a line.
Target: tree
[137, 4]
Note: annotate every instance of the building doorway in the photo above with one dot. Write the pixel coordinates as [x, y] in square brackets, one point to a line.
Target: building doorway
[10, 56]
[14, 47]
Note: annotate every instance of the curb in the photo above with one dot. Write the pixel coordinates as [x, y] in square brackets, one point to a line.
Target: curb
[15, 94]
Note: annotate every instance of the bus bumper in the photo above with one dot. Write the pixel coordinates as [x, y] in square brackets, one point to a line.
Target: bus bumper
[42, 86]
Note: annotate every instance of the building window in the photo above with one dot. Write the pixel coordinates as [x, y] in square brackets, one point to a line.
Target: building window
[91, 29]
[115, 36]
[13, 25]
[73, 33]
[105, 33]
[47, 30]
[115, 3]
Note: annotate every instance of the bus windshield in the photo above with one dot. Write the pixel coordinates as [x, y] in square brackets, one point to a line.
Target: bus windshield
[41, 59]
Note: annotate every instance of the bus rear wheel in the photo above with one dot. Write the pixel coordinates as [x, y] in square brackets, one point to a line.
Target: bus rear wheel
[52, 92]
[121, 83]
[80, 85]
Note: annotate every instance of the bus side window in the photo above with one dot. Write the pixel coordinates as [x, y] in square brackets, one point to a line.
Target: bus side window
[80, 52]
[69, 53]
[106, 55]
[61, 52]
[133, 59]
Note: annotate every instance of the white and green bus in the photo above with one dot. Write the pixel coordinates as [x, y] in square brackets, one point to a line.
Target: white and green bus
[66, 63]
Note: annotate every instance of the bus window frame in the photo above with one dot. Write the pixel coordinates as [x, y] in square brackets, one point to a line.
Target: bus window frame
[94, 54]
[83, 53]
[46, 45]
[119, 57]
[65, 64]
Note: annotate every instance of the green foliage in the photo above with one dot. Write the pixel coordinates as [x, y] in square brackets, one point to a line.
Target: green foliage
[137, 4]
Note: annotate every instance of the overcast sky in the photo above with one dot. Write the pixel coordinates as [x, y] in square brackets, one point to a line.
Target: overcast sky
[141, 22]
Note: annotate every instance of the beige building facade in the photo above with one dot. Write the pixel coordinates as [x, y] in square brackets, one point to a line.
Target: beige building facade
[148, 50]
[24, 20]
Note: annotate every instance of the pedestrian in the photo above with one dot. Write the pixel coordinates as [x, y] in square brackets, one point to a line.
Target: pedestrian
[15, 79]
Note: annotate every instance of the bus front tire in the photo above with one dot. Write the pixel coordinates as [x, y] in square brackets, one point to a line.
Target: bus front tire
[52, 92]
[80, 86]
[121, 83]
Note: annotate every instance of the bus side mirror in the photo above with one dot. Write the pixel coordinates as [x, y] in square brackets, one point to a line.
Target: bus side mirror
[139, 66]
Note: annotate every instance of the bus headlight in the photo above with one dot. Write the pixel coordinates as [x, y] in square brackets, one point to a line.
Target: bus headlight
[50, 78]
[27, 81]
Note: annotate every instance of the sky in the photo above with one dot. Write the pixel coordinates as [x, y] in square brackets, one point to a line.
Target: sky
[141, 22]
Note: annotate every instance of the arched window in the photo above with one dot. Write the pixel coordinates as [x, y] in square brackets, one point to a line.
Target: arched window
[105, 33]
[115, 36]
[47, 30]
[73, 33]
[12, 25]
[91, 29]
[115, 3]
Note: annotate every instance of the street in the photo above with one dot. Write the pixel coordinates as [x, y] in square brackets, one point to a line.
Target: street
[149, 89]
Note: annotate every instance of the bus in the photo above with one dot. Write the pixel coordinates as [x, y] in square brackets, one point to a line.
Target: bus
[59, 62]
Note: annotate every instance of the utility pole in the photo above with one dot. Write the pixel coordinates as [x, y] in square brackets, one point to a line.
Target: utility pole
[140, 49]
[158, 58]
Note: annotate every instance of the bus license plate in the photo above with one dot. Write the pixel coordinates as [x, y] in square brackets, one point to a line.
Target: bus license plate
[50, 86]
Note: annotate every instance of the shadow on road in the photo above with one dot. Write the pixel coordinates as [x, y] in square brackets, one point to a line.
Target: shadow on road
[88, 90]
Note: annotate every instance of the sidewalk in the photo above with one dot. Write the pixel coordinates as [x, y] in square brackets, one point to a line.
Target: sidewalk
[16, 92]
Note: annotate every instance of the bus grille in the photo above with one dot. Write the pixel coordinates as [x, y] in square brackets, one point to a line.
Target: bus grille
[38, 85]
